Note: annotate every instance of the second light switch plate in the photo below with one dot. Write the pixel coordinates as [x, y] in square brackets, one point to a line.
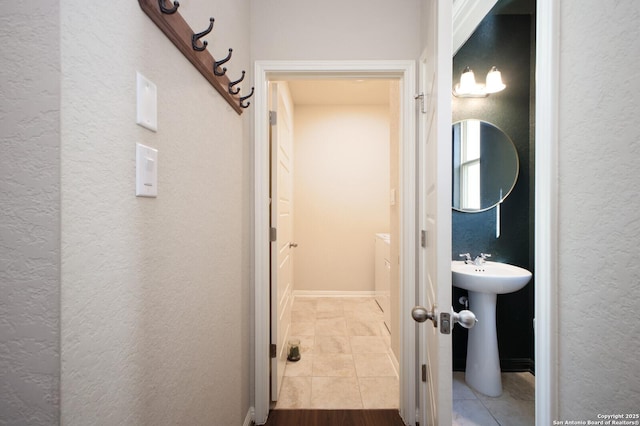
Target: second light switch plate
[146, 171]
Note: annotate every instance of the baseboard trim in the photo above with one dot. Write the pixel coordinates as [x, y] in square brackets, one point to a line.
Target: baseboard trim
[324, 293]
[248, 419]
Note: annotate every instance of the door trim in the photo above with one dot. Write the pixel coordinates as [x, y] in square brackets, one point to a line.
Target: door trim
[546, 210]
[404, 71]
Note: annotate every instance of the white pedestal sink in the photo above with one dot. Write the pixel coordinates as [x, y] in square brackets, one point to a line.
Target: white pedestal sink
[484, 282]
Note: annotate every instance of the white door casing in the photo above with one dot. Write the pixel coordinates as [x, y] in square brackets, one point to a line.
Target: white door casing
[434, 211]
[282, 222]
[404, 71]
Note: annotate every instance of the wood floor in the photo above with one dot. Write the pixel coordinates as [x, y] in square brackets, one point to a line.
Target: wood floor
[334, 418]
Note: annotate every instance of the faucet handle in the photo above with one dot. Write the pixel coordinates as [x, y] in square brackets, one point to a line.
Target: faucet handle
[467, 257]
[484, 256]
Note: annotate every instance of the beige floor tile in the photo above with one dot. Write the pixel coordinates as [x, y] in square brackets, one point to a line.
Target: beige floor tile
[362, 328]
[331, 327]
[329, 304]
[335, 393]
[332, 344]
[368, 344]
[304, 304]
[303, 367]
[379, 392]
[333, 365]
[295, 393]
[330, 314]
[303, 328]
[373, 365]
[303, 316]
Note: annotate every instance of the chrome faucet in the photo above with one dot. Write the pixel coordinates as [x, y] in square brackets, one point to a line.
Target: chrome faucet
[479, 260]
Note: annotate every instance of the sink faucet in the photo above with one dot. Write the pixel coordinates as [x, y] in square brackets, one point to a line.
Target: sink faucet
[479, 260]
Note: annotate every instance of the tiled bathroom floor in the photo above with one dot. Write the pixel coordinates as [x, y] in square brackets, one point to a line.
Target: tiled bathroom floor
[515, 407]
[344, 356]
[345, 365]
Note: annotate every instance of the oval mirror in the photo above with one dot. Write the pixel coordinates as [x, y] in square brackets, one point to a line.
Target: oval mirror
[485, 165]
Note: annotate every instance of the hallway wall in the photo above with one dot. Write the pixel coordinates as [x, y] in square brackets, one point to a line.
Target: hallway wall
[30, 213]
[335, 30]
[155, 292]
[599, 208]
[341, 194]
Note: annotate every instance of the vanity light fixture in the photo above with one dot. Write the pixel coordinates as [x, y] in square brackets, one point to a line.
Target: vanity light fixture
[468, 88]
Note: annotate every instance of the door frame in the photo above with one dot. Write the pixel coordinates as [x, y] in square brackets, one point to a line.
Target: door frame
[404, 71]
[546, 210]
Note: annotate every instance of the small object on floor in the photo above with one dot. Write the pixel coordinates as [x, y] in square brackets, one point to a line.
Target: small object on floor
[293, 354]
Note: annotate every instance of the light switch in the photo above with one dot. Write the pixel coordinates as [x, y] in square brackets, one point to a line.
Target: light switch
[146, 171]
[147, 103]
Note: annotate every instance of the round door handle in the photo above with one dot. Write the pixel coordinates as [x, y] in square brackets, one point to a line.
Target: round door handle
[465, 318]
[293, 245]
[421, 314]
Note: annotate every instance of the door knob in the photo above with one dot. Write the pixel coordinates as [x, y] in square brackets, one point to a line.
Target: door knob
[294, 245]
[465, 318]
[421, 314]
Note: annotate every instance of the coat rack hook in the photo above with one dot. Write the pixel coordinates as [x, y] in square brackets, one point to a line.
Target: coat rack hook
[217, 64]
[196, 37]
[243, 98]
[233, 83]
[168, 10]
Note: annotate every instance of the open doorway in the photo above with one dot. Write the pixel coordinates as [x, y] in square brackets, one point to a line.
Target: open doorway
[402, 72]
[335, 176]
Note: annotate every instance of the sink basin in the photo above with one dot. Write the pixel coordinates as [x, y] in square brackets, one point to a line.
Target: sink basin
[484, 282]
[490, 277]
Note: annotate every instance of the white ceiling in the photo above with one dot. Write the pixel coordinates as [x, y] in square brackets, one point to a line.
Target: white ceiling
[340, 92]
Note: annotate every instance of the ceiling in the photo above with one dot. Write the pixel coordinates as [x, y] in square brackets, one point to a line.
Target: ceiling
[340, 92]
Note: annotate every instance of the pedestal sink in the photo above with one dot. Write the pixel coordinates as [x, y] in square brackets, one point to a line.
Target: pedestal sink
[484, 282]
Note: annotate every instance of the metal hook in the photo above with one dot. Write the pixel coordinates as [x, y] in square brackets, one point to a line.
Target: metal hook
[216, 64]
[242, 99]
[195, 37]
[168, 10]
[233, 83]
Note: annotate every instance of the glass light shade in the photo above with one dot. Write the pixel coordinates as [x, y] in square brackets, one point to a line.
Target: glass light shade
[467, 82]
[494, 81]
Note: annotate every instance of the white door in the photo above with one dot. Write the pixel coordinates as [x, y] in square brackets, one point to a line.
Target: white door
[282, 228]
[434, 200]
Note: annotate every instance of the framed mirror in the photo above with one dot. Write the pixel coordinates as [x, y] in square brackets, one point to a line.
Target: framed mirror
[485, 166]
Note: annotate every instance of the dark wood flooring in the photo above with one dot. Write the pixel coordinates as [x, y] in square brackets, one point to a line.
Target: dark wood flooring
[334, 418]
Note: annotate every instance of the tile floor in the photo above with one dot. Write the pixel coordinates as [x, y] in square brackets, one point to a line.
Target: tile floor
[345, 365]
[515, 407]
[344, 356]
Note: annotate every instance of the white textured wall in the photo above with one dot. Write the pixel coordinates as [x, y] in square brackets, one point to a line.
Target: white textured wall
[341, 194]
[599, 155]
[155, 292]
[29, 212]
[335, 29]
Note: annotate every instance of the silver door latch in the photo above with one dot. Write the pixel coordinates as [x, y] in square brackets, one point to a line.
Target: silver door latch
[465, 318]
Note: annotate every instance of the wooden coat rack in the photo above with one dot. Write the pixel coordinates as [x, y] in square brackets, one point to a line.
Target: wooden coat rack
[182, 36]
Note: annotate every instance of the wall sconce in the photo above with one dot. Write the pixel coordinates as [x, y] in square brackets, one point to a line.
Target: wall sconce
[468, 88]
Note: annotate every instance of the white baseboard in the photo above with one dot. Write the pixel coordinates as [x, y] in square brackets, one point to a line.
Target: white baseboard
[248, 419]
[323, 293]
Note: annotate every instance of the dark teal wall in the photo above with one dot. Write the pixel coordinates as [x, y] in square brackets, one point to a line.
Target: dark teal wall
[506, 42]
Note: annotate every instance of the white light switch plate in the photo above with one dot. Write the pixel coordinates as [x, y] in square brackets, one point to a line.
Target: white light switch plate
[147, 103]
[146, 171]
